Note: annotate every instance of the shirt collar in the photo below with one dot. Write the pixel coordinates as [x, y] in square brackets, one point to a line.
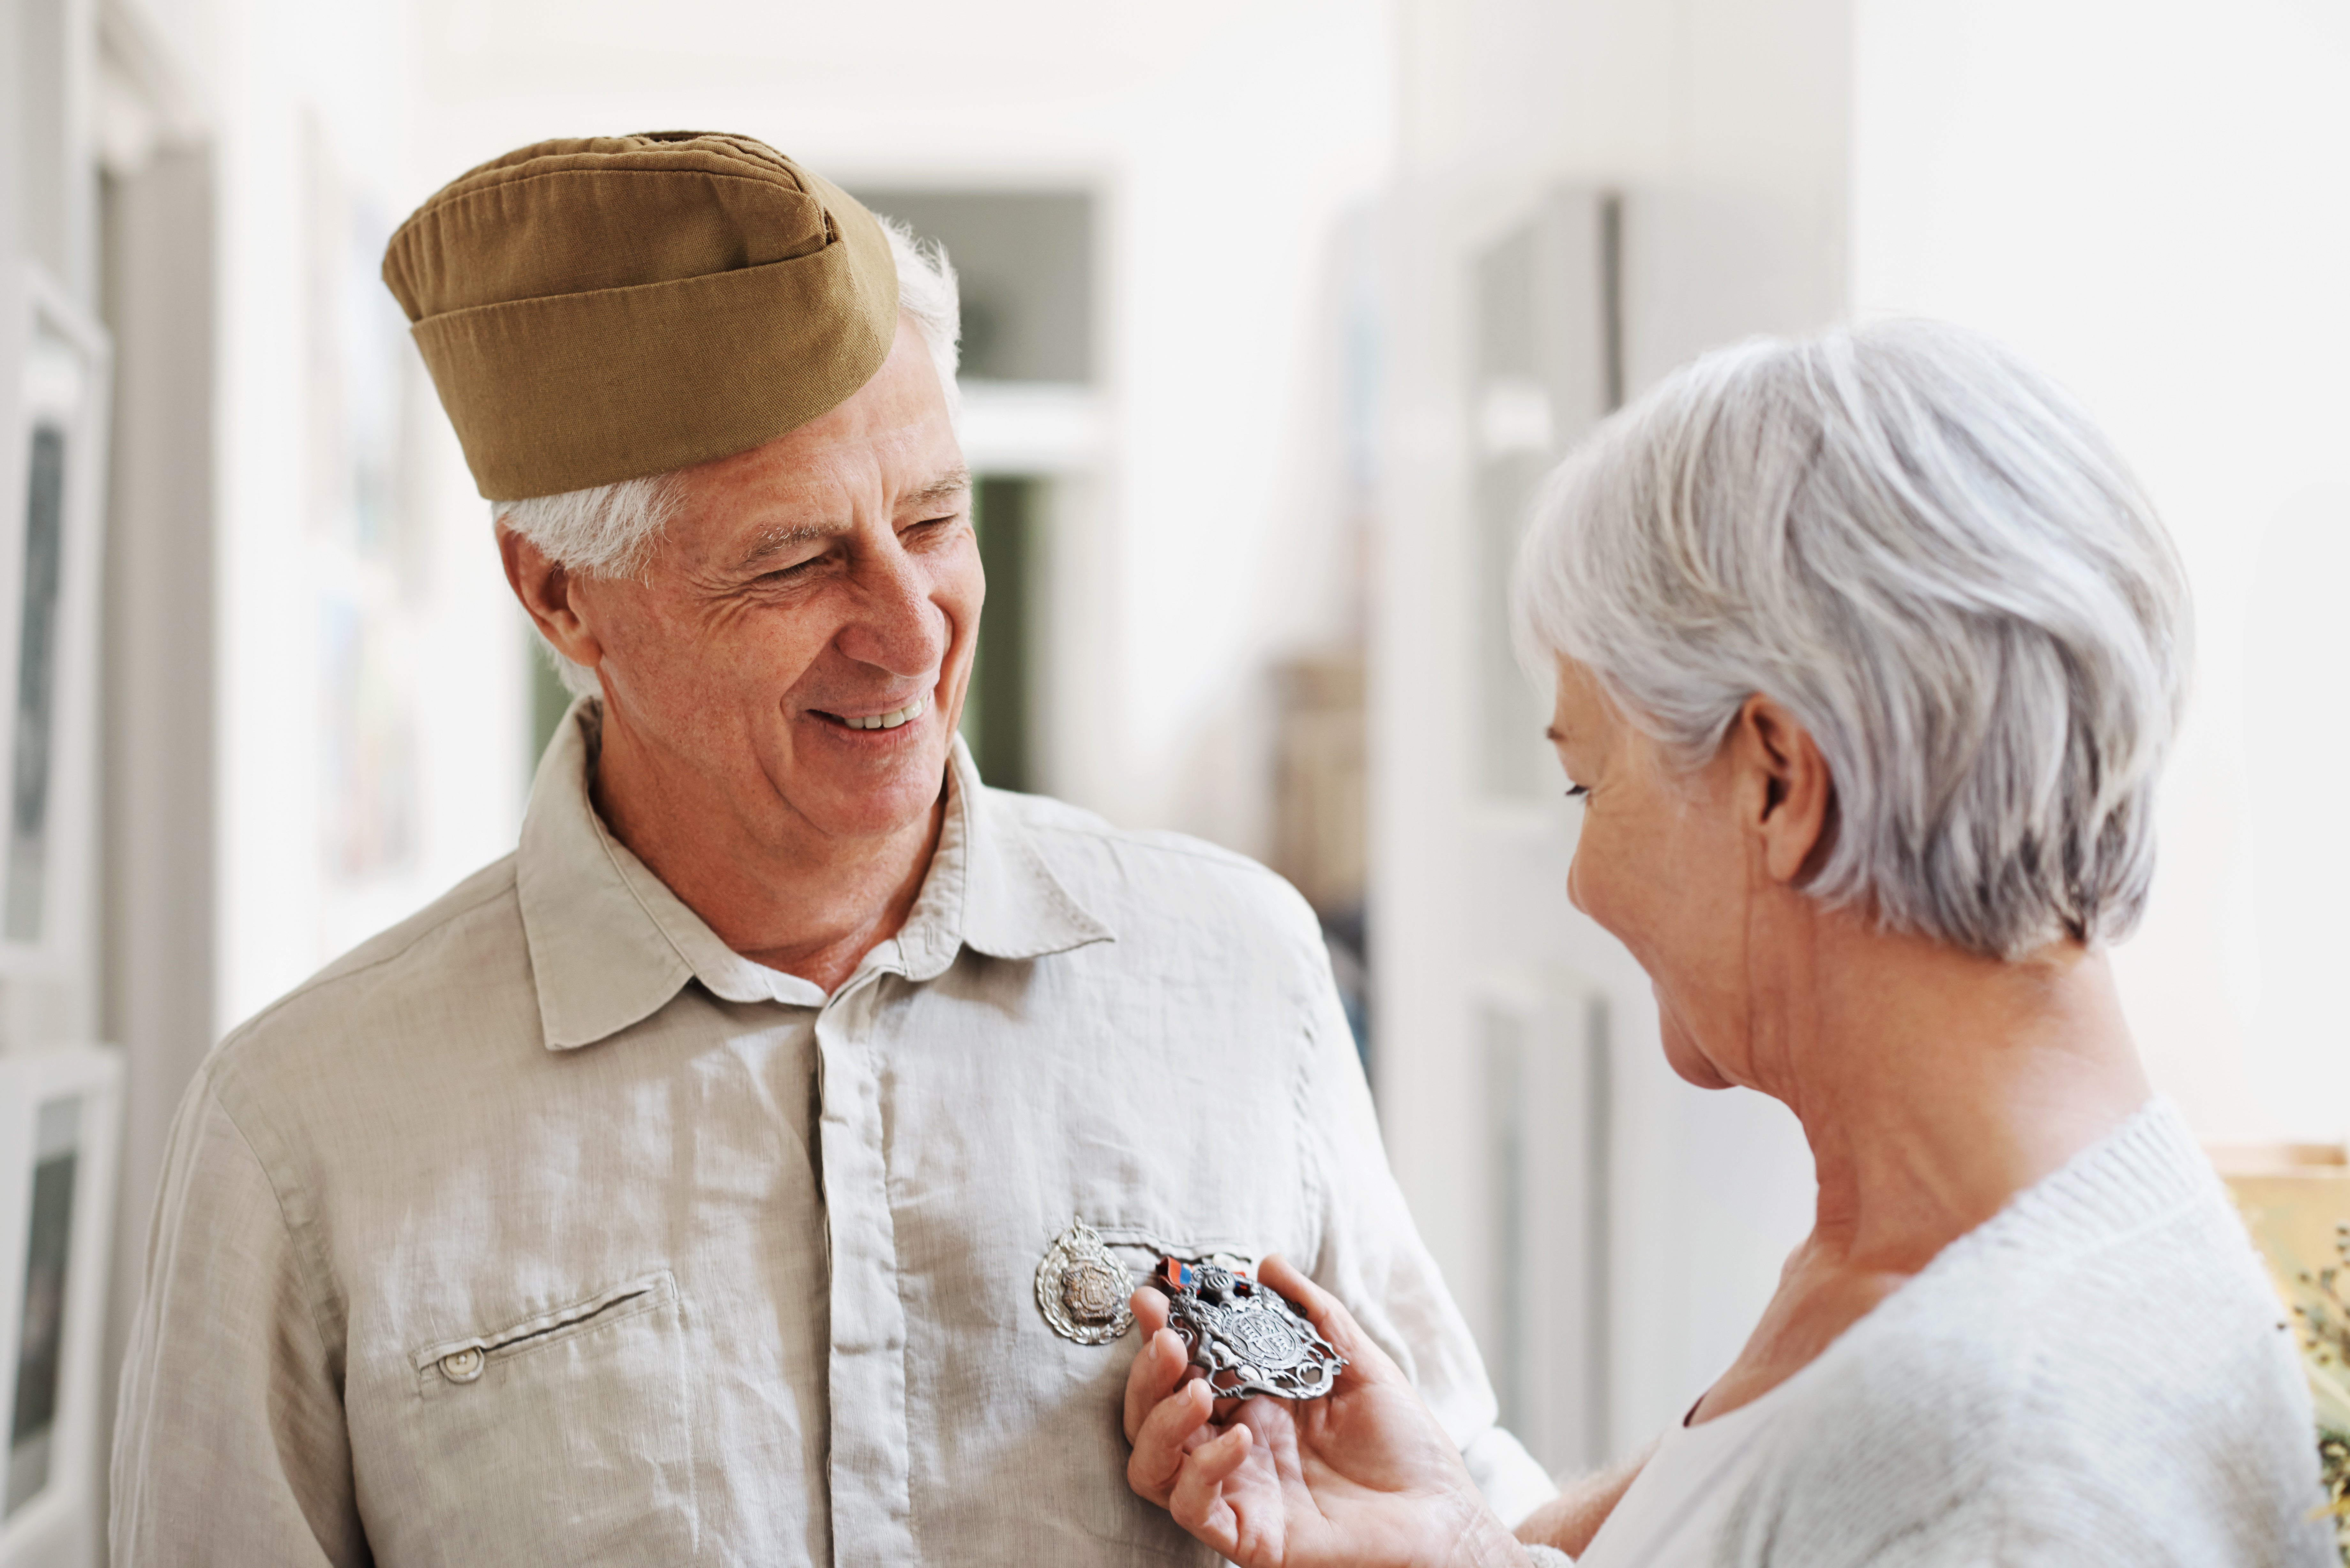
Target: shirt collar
[610, 944]
[991, 885]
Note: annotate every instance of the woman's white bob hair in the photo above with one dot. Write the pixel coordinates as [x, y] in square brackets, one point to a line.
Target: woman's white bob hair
[1923, 550]
[609, 530]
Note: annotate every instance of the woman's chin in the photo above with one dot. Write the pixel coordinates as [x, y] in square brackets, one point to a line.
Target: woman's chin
[1683, 1056]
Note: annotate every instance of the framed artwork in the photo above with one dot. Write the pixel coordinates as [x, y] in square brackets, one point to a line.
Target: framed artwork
[50, 534]
[59, 1112]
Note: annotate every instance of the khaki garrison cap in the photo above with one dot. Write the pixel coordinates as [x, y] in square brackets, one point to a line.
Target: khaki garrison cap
[612, 306]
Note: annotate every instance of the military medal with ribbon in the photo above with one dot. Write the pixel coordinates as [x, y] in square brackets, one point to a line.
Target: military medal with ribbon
[1243, 1334]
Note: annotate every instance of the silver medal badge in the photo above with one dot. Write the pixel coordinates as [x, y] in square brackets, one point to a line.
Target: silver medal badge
[1081, 1289]
[1243, 1334]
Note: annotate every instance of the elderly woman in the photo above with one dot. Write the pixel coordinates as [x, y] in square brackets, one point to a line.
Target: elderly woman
[1867, 653]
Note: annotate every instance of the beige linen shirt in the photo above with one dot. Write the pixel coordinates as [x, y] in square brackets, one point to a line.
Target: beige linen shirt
[544, 1229]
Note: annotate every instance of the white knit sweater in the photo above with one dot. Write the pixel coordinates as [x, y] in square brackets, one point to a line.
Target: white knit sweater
[2098, 1375]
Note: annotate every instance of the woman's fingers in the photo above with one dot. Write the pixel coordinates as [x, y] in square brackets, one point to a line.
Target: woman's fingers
[1160, 1440]
[1155, 1371]
[1197, 1502]
[1365, 1361]
[1158, 1367]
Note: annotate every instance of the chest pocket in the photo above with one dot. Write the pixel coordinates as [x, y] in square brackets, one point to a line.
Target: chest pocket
[565, 1438]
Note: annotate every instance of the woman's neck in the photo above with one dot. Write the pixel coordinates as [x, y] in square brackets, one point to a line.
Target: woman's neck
[1935, 1085]
[1933, 1088]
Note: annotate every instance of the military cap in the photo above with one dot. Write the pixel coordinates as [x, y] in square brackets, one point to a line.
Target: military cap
[608, 307]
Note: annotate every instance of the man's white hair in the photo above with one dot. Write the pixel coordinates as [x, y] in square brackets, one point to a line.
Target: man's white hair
[1922, 549]
[607, 530]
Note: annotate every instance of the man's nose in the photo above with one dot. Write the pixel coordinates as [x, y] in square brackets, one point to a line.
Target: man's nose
[895, 626]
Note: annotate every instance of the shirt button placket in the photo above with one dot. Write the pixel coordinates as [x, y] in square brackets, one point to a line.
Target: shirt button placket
[871, 1505]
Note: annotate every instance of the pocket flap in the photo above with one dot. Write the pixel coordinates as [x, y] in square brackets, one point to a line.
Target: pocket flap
[648, 1290]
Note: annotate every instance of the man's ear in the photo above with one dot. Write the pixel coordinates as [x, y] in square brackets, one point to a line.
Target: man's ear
[547, 591]
[1796, 814]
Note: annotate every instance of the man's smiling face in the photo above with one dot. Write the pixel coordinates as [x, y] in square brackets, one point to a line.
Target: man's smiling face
[799, 644]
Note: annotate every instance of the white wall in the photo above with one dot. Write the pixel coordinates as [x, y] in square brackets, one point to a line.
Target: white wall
[1724, 122]
[2147, 200]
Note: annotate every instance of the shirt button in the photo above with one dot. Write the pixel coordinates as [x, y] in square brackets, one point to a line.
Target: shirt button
[462, 1365]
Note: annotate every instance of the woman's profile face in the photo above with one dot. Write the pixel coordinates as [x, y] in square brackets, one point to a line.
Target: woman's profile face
[1660, 863]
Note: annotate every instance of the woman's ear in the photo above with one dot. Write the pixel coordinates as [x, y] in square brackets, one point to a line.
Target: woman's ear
[547, 593]
[1796, 809]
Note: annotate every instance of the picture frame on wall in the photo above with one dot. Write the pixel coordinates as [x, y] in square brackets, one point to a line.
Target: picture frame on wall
[50, 557]
[60, 1117]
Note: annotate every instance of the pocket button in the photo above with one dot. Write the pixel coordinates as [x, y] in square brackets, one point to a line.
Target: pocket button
[462, 1365]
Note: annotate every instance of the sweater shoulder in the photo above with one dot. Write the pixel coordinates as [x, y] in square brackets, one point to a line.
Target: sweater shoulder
[2099, 1374]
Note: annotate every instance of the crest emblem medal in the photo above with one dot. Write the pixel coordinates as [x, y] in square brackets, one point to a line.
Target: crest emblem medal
[1081, 1289]
[1243, 1334]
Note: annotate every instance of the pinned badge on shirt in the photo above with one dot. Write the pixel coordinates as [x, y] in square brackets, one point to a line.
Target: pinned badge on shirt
[1082, 1290]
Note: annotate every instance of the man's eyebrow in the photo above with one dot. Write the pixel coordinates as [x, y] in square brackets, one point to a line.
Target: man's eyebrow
[948, 486]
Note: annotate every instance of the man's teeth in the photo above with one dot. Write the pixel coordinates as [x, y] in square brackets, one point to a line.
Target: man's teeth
[913, 710]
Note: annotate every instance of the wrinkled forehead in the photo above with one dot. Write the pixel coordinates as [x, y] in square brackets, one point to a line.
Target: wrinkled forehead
[1579, 703]
[1586, 721]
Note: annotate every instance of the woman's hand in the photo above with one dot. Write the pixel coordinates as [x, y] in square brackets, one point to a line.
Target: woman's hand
[1364, 1477]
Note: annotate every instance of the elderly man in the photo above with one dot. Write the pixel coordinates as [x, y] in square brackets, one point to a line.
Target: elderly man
[754, 1167]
